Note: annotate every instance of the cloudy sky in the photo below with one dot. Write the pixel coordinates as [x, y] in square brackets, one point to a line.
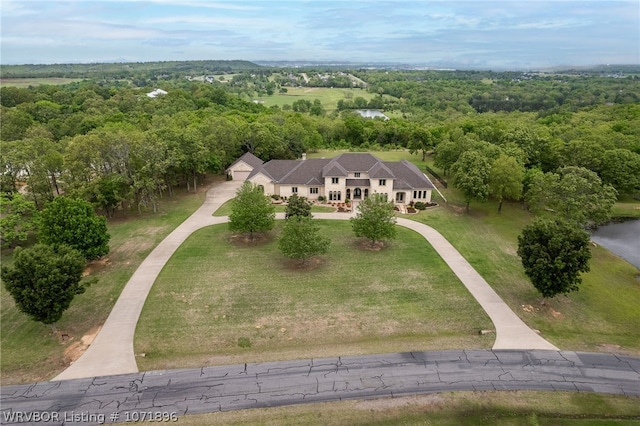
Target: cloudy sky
[476, 34]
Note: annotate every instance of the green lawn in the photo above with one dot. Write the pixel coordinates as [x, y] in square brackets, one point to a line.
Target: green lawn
[328, 97]
[29, 351]
[602, 316]
[225, 209]
[26, 82]
[215, 298]
[445, 409]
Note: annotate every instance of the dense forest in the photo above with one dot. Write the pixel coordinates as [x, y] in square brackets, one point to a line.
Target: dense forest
[104, 140]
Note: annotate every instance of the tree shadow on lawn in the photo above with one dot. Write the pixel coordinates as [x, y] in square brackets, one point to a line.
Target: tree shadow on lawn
[364, 244]
[308, 265]
[256, 239]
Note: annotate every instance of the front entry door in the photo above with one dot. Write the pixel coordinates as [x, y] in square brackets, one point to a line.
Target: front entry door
[400, 197]
[357, 193]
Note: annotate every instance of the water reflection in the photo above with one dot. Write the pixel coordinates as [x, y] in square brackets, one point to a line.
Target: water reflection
[622, 239]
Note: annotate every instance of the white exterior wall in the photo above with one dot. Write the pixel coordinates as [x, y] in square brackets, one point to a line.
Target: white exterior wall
[269, 187]
[385, 189]
[340, 186]
[240, 166]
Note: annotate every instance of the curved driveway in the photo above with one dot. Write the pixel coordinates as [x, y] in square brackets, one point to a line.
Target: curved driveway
[112, 350]
[176, 393]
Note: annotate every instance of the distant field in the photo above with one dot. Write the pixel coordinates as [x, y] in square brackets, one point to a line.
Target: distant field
[328, 97]
[26, 82]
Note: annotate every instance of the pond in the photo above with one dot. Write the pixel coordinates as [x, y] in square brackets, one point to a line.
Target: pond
[622, 239]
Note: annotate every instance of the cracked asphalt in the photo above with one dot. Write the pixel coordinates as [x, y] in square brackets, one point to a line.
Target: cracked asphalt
[112, 399]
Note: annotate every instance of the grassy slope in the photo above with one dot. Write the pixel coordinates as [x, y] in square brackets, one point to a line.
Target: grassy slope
[356, 301]
[602, 316]
[30, 351]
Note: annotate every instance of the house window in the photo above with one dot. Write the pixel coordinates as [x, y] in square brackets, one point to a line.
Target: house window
[335, 180]
[382, 182]
[294, 189]
[356, 174]
[339, 195]
[424, 194]
[313, 190]
[415, 194]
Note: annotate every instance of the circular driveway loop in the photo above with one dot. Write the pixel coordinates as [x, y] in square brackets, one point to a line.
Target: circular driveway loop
[104, 384]
[112, 350]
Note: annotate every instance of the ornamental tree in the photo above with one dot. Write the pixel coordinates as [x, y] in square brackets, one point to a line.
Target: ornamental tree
[553, 254]
[301, 239]
[375, 219]
[297, 206]
[43, 281]
[251, 211]
[73, 222]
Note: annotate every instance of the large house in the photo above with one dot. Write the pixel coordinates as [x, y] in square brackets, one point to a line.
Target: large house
[351, 176]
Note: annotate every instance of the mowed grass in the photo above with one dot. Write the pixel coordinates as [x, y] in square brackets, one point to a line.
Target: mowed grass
[30, 351]
[217, 302]
[26, 82]
[444, 409]
[329, 97]
[602, 316]
[225, 209]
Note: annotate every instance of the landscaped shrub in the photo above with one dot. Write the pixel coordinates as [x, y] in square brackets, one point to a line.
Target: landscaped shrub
[420, 205]
[275, 196]
[321, 198]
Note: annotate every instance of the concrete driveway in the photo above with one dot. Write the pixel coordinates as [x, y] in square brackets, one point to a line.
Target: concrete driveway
[112, 350]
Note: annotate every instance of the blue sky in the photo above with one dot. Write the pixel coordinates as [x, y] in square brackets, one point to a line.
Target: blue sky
[506, 34]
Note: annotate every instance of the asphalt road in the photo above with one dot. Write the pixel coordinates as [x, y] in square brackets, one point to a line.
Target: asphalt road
[171, 394]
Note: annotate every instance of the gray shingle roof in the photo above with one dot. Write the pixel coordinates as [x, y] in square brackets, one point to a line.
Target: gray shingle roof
[408, 176]
[250, 159]
[312, 171]
[305, 172]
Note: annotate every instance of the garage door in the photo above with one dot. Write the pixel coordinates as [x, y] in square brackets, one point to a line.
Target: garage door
[238, 175]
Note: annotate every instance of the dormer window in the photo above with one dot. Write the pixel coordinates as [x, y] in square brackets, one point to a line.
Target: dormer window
[356, 174]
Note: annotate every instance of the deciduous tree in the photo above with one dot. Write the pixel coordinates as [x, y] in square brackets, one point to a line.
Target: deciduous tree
[375, 219]
[575, 194]
[505, 179]
[553, 254]
[74, 223]
[251, 211]
[17, 216]
[43, 281]
[471, 176]
[301, 239]
[297, 206]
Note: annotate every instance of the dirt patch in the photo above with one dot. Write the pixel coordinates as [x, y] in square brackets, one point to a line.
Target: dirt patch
[555, 314]
[384, 404]
[308, 265]
[76, 349]
[95, 266]
[365, 244]
[248, 240]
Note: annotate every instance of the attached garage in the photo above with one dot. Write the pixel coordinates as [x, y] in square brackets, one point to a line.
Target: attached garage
[243, 166]
[240, 174]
